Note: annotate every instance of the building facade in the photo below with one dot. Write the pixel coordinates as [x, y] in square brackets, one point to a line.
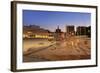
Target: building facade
[70, 30]
[36, 32]
[83, 30]
[58, 34]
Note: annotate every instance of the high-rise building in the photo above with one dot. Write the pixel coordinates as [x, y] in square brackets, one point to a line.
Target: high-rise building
[83, 30]
[70, 29]
[89, 31]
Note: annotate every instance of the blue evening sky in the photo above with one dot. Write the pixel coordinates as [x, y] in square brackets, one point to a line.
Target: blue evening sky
[51, 19]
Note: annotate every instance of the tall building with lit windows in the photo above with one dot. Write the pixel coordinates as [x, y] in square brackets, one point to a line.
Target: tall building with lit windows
[70, 30]
[83, 30]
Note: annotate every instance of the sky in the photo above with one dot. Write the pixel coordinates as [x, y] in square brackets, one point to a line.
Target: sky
[52, 19]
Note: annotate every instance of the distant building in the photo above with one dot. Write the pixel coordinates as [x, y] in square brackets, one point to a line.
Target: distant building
[58, 34]
[89, 31]
[83, 30]
[34, 31]
[70, 30]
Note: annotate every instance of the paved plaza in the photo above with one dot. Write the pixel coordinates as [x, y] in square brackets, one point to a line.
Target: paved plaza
[71, 48]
